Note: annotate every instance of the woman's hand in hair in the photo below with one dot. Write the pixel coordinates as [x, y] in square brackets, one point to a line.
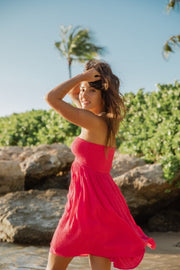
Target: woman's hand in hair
[91, 75]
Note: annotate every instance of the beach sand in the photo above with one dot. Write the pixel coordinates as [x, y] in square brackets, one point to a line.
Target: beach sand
[165, 257]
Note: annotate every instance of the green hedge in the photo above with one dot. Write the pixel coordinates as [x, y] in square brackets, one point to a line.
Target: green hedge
[151, 129]
[36, 127]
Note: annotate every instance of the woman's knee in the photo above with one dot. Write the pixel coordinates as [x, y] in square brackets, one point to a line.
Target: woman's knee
[57, 262]
[99, 263]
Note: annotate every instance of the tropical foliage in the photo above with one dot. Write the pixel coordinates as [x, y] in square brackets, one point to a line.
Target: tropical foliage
[151, 129]
[36, 127]
[174, 41]
[77, 44]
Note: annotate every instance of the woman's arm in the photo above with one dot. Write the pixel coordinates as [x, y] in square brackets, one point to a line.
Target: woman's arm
[74, 95]
[77, 116]
[61, 90]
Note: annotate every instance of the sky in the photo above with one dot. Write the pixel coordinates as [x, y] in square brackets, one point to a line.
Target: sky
[133, 32]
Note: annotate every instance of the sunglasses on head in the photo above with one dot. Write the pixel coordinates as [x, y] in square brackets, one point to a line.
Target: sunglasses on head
[97, 84]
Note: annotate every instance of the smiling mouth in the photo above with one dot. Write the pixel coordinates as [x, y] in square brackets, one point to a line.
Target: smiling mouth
[85, 102]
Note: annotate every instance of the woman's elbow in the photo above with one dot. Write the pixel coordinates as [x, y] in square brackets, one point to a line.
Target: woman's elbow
[51, 100]
[49, 97]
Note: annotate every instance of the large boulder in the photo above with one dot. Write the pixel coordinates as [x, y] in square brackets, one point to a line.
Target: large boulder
[26, 153]
[38, 167]
[10, 152]
[145, 190]
[45, 161]
[165, 221]
[123, 163]
[11, 176]
[30, 217]
[52, 181]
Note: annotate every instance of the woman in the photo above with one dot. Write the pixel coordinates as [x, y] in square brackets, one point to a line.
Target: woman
[96, 221]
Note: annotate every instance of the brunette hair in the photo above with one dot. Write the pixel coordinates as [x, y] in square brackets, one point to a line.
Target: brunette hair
[109, 84]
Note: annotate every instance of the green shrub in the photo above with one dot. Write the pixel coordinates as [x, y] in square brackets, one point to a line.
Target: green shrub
[36, 127]
[151, 129]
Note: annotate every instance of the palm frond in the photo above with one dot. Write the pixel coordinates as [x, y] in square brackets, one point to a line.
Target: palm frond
[172, 4]
[61, 49]
[172, 42]
[77, 44]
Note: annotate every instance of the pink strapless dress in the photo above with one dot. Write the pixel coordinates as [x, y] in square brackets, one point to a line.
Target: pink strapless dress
[96, 219]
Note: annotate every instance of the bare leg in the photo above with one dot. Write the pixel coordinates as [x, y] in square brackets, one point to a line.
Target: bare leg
[57, 262]
[99, 263]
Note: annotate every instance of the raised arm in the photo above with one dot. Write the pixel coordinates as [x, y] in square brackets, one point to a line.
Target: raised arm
[77, 116]
[74, 95]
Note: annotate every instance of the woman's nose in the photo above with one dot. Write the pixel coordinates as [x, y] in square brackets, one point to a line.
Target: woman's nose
[85, 94]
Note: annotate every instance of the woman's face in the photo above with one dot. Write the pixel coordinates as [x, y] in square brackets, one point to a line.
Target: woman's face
[90, 98]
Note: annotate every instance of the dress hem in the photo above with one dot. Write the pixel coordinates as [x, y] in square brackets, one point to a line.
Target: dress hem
[113, 260]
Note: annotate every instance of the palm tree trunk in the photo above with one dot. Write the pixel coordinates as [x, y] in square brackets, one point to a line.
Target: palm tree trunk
[69, 67]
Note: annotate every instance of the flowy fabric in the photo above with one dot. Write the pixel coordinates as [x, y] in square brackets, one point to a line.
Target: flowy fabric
[96, 219]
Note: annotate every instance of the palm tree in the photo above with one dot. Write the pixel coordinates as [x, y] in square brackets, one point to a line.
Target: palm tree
[77, 45]
[173, 41]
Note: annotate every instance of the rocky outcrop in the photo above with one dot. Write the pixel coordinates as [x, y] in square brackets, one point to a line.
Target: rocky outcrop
[54, 181]
[11, 152]
[41, 167]
[11, 176]
[123, 163]
[168, 219]
[165, 221]
[46, 161]
[30, 217]
[145, 190]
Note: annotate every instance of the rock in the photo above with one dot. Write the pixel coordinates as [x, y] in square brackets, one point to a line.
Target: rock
[63, 152]
[43, 166]
[166, 220]
[30, 217]
[45, 161]
[11, 176]
[123, 163]
[4, 156]
[54, 181]
[145, 190]
[10, 152]
[27, 152]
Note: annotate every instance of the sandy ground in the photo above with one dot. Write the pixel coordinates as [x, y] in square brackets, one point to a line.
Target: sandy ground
[166, 256]
[166, 243]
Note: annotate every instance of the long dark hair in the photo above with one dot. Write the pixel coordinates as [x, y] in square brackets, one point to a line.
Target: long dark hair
[109, 84]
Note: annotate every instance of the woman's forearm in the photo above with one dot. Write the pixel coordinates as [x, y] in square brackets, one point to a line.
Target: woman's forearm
[62, 89]
[74, 95]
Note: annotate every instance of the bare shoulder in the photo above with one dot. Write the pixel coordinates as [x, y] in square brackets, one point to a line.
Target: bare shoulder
[97, 135]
